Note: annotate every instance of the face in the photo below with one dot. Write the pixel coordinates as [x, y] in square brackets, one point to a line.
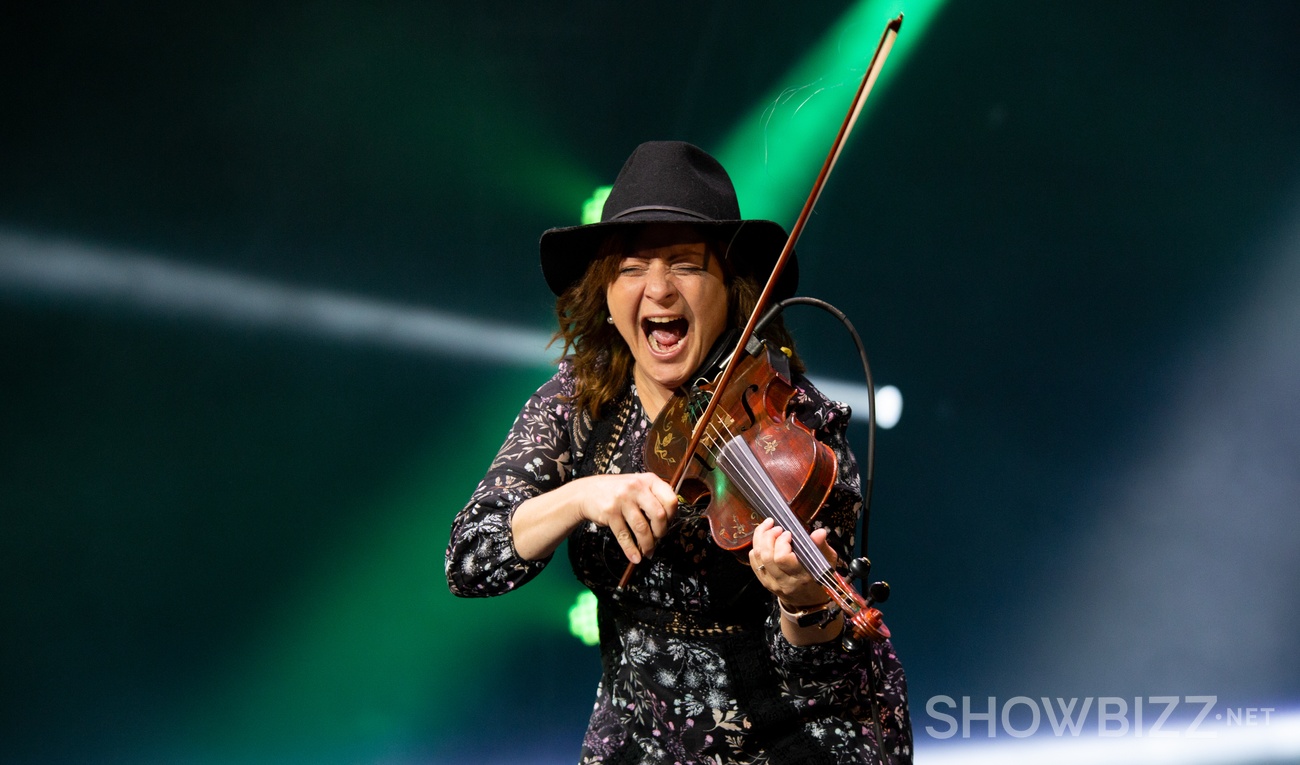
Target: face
[669, 302]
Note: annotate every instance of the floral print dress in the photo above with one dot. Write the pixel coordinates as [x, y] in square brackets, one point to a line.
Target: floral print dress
[694, 666]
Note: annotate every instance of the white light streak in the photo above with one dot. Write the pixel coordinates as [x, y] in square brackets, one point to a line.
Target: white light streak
[63, 269]
[889, 401]
[68, 270]
[1182, 575]
[1278, 741]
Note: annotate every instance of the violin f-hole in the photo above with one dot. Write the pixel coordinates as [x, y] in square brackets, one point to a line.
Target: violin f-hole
[744, 402]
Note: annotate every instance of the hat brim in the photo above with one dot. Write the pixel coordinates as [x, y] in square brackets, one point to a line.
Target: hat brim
[755, 247]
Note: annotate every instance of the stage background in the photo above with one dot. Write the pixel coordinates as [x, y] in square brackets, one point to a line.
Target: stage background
[269, 301]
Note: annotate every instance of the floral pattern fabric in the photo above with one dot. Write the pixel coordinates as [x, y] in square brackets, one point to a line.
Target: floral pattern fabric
[695, 667]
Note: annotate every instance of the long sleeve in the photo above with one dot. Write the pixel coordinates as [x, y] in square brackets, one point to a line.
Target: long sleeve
[535, 458]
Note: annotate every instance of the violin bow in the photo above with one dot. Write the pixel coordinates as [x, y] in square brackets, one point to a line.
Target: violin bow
[869, 78]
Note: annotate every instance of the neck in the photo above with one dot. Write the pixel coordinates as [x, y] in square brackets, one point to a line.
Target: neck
[653, 395]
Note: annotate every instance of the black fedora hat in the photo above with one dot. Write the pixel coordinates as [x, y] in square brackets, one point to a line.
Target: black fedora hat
[672, 182]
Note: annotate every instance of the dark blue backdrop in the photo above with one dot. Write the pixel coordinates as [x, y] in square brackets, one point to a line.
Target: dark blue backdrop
[232, 236]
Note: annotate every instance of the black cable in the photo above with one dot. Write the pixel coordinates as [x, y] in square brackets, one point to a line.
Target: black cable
[868, 481]
[869, 473]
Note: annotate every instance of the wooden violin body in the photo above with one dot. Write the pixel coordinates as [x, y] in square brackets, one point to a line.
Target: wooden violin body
[755, 462]
[801, 468]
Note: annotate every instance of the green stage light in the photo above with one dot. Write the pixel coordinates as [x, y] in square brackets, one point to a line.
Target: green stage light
[775, 151]
[582, 619]
[595, 205]
[343, 669]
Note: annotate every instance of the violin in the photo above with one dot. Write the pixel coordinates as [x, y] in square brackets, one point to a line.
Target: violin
[752, 461]
[755, 462]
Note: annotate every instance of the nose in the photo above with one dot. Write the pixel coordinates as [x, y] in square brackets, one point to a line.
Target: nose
[659, 282]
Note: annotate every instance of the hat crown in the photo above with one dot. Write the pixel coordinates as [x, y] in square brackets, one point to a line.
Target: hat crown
[670, 182]
[672, 177]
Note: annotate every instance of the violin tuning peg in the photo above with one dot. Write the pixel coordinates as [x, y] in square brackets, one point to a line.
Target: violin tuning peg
[860, 568]
[879, 592]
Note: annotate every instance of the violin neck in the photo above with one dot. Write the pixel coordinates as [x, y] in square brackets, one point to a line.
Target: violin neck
[747, 475]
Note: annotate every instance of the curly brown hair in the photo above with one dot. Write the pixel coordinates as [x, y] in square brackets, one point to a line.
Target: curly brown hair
[602, 362]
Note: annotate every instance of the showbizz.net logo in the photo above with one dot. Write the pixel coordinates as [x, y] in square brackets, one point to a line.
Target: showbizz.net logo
[1102, 716]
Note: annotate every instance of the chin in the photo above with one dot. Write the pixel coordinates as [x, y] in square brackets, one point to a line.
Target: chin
[670, 376]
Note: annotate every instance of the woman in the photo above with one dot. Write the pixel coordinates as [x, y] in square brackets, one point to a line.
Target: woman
[705, 658]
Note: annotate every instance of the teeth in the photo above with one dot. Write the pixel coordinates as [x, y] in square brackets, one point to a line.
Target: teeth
[659, 320]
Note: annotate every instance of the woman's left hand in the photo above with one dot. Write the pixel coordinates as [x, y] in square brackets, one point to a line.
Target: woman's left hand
[779, 570]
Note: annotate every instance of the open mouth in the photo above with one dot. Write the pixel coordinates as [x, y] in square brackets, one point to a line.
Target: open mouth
[664, 334]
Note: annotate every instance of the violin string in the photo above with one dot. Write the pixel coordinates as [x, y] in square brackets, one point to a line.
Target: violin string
[745, 464]
[756, 484]
[752, 475]
[742, 462]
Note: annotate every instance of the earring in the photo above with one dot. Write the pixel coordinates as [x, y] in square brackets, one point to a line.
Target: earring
[609, 319]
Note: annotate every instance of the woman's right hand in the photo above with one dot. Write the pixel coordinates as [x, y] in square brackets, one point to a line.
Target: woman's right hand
[636, 507]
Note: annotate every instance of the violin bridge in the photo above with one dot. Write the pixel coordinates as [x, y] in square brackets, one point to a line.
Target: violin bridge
[722, 426]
